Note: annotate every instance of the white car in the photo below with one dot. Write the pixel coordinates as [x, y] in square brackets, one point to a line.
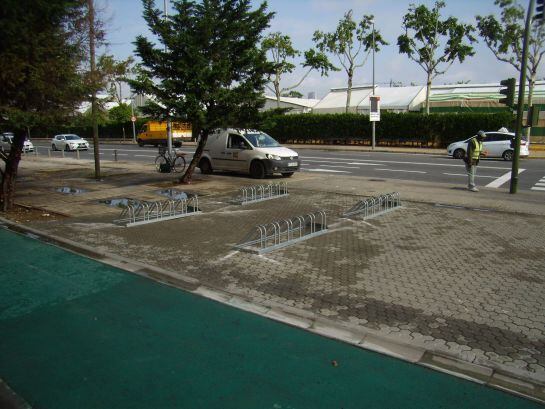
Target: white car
[248, 151]
[6, 140]
[69, 142]
[496, 145]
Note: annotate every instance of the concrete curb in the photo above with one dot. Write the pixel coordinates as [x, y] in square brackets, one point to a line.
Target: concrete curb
[516, 383]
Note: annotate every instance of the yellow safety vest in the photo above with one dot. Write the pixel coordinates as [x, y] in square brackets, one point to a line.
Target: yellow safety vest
[477, 149]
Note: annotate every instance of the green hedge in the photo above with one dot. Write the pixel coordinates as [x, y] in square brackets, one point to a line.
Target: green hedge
[434, 130]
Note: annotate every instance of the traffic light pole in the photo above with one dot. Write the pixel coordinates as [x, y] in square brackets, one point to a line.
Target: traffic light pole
[520, 105]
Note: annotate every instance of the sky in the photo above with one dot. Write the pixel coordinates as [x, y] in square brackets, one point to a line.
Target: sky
[300, 18]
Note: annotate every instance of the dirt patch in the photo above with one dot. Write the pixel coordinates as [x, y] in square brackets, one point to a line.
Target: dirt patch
[25, 214]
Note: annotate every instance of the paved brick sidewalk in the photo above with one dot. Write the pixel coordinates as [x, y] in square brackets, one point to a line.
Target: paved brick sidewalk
[466, 281]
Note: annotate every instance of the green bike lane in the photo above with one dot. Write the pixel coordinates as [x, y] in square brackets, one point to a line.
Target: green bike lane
[75, 333]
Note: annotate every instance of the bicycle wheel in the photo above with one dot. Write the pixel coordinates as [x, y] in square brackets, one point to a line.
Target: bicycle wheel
[160, 160]
[179, 164]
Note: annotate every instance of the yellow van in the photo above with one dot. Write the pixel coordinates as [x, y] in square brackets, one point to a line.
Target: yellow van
[155, 133]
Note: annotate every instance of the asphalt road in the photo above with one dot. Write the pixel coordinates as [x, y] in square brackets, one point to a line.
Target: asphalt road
[492, 173]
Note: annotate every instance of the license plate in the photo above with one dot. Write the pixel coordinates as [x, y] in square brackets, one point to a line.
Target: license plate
[292, 164]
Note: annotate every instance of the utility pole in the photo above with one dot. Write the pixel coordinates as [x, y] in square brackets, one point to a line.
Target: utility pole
[520, 105]
[92, 37]
[373, 123]
[133, 120]
[169, 121]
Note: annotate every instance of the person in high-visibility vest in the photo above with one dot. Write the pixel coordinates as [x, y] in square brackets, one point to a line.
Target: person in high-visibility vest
[474, 152]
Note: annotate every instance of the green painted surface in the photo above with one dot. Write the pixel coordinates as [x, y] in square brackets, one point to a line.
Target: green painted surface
[78, 334]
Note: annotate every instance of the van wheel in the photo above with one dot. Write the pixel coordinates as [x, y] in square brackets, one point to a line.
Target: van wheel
[140, 142]
[507, 155]
[257, 170]
[287, 174]
[53, 147]
[205, 166]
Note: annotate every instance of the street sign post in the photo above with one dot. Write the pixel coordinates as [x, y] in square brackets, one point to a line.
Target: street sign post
[374, 110]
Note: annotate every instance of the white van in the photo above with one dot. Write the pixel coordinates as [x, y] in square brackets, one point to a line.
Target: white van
[248, 151]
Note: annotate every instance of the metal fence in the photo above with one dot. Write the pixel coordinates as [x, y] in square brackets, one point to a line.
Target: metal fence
[151, 212]
[282, 233]
[374, 206]
[259, 193]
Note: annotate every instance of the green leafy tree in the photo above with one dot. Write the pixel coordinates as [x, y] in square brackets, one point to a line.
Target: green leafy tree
[209, 69]
[280, 50]
[293, 94]
[120, 114]
[114, 73]
[40, 53]
[433, 43]
[351, 42]
[504, 38]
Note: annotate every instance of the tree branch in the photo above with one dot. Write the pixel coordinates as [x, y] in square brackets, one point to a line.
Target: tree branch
[299, 83]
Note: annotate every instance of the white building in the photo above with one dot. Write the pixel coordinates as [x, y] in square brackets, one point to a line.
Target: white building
[296, 105]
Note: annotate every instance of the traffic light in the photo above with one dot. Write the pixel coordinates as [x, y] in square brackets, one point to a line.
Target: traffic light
[539, 16]
[509, 92]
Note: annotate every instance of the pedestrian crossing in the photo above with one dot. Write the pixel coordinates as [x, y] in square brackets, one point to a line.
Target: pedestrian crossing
[540, 185]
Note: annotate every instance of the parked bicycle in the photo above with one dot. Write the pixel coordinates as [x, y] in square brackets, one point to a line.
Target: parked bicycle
[167, 162]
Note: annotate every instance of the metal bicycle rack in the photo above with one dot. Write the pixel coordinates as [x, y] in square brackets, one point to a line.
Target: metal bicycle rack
[151, 212]
[282, 233]
[259, 193]
[375, 206]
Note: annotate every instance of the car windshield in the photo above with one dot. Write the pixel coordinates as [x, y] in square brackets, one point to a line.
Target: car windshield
[261, 140]
[72, 137]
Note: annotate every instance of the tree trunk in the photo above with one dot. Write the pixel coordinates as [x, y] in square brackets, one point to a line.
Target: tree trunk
[428, 89]
[92, 35]
[186, 178]
[277, 92]
[7, 191]
[349, 90]
[531, 85]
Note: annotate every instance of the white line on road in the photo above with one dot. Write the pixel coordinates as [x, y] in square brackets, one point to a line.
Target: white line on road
[540, 184]
[363, 164]
[465, 174]
[329, 160]
[538, 188]
[502, 179]
[326, 170]
[144, 156]
[337, 166]
[399, 170]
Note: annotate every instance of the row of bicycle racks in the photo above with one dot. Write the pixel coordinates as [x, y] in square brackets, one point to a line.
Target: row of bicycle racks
[264, 238]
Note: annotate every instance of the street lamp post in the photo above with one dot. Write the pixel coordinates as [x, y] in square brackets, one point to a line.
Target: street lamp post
[373, 123]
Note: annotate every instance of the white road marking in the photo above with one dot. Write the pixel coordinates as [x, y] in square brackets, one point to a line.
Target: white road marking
[465, 174]
[144, 156]
[399, 170]
[326, 170]
[363, 164]
[538, 188]
[338, 166]
[502, 179]
[398, 162]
